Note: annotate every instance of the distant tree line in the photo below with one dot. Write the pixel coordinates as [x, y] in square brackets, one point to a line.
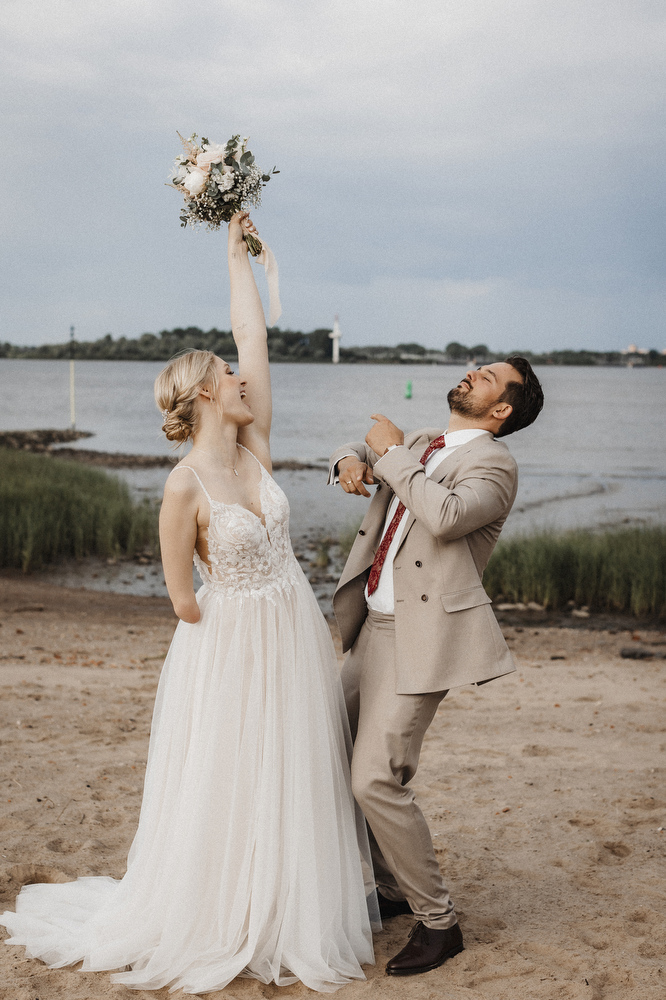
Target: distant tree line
[283, 345]
[292, 345]
[480, 354]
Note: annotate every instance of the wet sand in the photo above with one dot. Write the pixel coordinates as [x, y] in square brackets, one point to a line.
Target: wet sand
[544, 790]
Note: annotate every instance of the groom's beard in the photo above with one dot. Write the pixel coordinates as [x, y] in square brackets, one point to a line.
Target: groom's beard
[460, 402]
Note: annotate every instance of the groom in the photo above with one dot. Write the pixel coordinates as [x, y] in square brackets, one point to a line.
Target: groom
[413, 612]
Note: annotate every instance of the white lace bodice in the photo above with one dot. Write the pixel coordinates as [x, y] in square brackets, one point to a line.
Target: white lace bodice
[248, 559]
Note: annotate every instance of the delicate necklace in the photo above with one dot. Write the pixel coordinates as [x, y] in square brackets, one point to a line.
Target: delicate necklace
[234, 470]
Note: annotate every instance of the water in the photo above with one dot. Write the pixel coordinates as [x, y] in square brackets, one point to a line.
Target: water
[596, 455]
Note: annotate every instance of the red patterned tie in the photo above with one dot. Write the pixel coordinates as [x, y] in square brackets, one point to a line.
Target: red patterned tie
[380, 555]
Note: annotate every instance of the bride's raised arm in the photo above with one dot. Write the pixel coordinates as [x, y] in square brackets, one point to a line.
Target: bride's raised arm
[248, 327]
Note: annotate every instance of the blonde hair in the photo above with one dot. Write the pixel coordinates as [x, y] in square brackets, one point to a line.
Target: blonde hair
[177, 389]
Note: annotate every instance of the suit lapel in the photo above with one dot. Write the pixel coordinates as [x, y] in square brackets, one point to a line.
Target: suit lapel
[448, 469]
[417, 449]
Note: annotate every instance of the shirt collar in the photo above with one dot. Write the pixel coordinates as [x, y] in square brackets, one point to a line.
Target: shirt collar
[464, 435]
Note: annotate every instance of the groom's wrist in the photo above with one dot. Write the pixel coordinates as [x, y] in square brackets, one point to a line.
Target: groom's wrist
[334, 477]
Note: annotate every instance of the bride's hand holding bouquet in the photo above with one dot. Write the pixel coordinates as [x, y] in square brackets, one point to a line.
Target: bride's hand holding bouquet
[241, 230]
[218, 183]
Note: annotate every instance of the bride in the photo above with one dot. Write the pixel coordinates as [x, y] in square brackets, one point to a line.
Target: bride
[246, 859]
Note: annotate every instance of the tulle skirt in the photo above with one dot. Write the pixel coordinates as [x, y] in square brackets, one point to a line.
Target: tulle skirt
[250, 857]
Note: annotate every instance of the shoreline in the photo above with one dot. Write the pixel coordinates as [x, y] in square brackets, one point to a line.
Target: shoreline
[322, 560]
[370, 355]
[521, 618]
[141, 576]
[41, 442]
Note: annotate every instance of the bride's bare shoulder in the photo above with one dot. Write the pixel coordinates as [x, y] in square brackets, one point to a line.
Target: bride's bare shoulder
[181, 484]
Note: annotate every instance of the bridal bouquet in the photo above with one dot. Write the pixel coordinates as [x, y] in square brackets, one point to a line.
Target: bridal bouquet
[218, 181]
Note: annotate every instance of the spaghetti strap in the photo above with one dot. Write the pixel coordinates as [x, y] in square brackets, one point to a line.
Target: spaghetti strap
[208, 497]
[260, 464]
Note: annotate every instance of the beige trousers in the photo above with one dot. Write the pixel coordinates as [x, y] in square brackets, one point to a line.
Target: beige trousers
[388, 731]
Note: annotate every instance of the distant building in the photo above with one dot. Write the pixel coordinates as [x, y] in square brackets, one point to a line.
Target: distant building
[335, 337]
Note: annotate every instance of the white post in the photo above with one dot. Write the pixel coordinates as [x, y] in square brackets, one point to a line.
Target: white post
[72, 394]
[335, 337]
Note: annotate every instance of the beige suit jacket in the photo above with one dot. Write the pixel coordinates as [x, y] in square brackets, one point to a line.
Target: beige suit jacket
[445, 631]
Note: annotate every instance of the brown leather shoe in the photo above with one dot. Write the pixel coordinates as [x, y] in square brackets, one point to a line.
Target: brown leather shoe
[389, 908]
[426, 949]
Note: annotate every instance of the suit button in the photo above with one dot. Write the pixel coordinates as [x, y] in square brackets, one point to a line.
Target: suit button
[424, 597]
[418, 563]
[361, 531]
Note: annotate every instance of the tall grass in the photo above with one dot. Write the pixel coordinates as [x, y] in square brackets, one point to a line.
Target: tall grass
[51, 510]
[616, 570]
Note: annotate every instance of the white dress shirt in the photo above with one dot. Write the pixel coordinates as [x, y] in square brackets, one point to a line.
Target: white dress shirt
[382, 599]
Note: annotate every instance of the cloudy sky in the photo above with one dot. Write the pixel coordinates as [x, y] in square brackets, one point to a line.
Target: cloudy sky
[450, 169]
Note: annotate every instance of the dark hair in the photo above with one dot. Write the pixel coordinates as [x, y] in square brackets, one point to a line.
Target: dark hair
[525, 397]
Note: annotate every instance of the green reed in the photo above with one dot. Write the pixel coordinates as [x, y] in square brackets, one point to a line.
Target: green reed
[50, 510]
[621, 569]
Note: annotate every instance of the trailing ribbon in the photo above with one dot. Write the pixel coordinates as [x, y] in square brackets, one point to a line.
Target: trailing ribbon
[267, 258]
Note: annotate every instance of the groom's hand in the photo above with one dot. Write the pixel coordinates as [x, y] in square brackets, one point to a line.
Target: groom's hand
[383, 434]
[352, 474]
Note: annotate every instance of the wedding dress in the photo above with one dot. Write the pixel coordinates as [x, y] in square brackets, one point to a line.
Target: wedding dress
[248, 855]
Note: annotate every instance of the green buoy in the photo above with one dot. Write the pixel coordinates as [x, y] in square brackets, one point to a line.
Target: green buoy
[408, 390]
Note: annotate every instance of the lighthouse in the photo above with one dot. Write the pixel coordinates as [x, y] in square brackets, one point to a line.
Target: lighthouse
[335, 337]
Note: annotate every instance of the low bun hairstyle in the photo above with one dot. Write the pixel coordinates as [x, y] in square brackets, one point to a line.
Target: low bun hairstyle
[177, 390]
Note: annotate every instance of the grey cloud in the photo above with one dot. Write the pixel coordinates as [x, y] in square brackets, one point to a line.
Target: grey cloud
[518, 145]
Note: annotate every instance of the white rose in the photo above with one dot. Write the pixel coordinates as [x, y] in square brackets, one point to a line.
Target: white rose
[195, 181]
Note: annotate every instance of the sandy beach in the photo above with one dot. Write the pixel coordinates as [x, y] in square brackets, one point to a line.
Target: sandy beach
[544, 790]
